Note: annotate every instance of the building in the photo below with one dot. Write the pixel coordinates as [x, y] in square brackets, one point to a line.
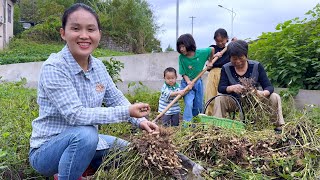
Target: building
[6, 22]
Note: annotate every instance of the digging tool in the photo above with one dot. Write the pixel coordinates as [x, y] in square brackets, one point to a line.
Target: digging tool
[186, 89]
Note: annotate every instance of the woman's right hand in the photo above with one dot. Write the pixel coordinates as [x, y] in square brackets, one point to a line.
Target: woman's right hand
[139, 110]
[237, 88]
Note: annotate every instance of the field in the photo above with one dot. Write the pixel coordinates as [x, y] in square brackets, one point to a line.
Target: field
[225, 154]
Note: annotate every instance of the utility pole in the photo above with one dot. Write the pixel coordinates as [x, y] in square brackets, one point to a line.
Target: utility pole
[233, 15]
[177, 20]
[192, 17]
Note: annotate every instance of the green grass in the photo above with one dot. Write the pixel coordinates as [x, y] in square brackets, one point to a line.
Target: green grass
[20, 51]
[17, 109]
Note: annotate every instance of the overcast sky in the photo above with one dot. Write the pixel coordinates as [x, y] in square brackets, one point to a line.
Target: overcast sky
[252, 17]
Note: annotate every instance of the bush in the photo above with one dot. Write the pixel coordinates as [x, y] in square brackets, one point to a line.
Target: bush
[47, 31]
[18, 108]
[291, 55]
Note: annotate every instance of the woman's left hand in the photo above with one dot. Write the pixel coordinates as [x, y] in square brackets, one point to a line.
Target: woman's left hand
[263, 93]
[149, 126]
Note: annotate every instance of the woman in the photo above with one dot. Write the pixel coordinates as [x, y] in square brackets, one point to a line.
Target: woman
[241, 67]
[72, 87]
[221, 38]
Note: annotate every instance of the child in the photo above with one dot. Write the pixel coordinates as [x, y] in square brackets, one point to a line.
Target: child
[221, 39]
[169, 90]
[191, 63]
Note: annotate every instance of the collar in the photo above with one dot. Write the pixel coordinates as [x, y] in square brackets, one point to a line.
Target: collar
[75, 67]
[175, 86]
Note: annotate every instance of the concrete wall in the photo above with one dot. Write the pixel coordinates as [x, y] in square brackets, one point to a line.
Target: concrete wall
[145, 68]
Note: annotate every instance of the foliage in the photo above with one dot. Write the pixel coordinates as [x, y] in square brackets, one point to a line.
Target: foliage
[17, 26]
[130, 21]
[169, 48]
[44, 32]
[141, 93]
[21, 51]
[38, 10]
[291, 55]
[125, 21]
[114, 67]
[17, 109]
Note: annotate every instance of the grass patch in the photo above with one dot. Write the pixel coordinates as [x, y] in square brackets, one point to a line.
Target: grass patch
[21, 51]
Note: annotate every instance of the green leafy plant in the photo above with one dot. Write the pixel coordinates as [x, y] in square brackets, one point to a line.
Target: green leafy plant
[114, 67]
[291, 55]
[18, 108]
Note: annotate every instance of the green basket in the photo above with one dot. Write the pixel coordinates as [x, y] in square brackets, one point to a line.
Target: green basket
[222, 122]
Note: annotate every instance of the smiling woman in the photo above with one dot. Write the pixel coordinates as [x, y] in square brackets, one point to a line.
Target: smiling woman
[72, 87]
[81, 34]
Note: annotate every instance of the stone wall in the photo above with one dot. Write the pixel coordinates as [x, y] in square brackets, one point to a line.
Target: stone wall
[108, 43]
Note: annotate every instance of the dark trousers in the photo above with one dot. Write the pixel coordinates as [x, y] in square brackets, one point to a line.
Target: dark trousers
[170, 120]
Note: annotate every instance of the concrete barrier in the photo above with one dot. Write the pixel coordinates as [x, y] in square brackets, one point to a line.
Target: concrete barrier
[145, 68]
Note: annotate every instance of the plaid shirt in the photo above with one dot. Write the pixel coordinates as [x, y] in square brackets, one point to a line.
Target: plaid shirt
[69, 96]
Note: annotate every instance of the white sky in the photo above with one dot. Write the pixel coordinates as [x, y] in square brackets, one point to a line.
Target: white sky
[252, 17]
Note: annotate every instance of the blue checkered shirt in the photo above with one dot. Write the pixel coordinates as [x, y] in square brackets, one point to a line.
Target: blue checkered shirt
[68, 96]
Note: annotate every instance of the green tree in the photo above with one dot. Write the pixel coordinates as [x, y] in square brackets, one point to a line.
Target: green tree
[17, 26]
[292, 54]
[169, 48]
[130, 21]
[38, 11]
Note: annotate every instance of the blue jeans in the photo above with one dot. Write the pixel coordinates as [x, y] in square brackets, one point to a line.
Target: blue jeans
[193, 100]
[71, 152]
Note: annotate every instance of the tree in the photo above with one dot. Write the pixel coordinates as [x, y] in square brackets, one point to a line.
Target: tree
[292, 54]
[17, 26]
[169, 48]
[129, 21]
[125, 21]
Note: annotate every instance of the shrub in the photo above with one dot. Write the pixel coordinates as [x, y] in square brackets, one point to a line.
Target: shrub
[291, 55]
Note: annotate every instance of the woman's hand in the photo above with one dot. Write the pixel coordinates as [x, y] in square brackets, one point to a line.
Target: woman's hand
[237, 88]
[139, 110]
[149, 126]
[264, 93]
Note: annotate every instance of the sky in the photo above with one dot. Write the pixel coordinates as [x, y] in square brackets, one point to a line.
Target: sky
[252, 17]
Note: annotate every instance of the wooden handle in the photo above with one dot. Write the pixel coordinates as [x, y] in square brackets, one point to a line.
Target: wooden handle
[186, 89]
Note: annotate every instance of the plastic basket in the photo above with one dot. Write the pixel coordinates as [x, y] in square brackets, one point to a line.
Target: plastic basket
[222, 122]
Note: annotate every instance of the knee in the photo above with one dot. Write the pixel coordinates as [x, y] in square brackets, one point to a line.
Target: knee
[87, 136]
[274, 97]
[218, 99]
